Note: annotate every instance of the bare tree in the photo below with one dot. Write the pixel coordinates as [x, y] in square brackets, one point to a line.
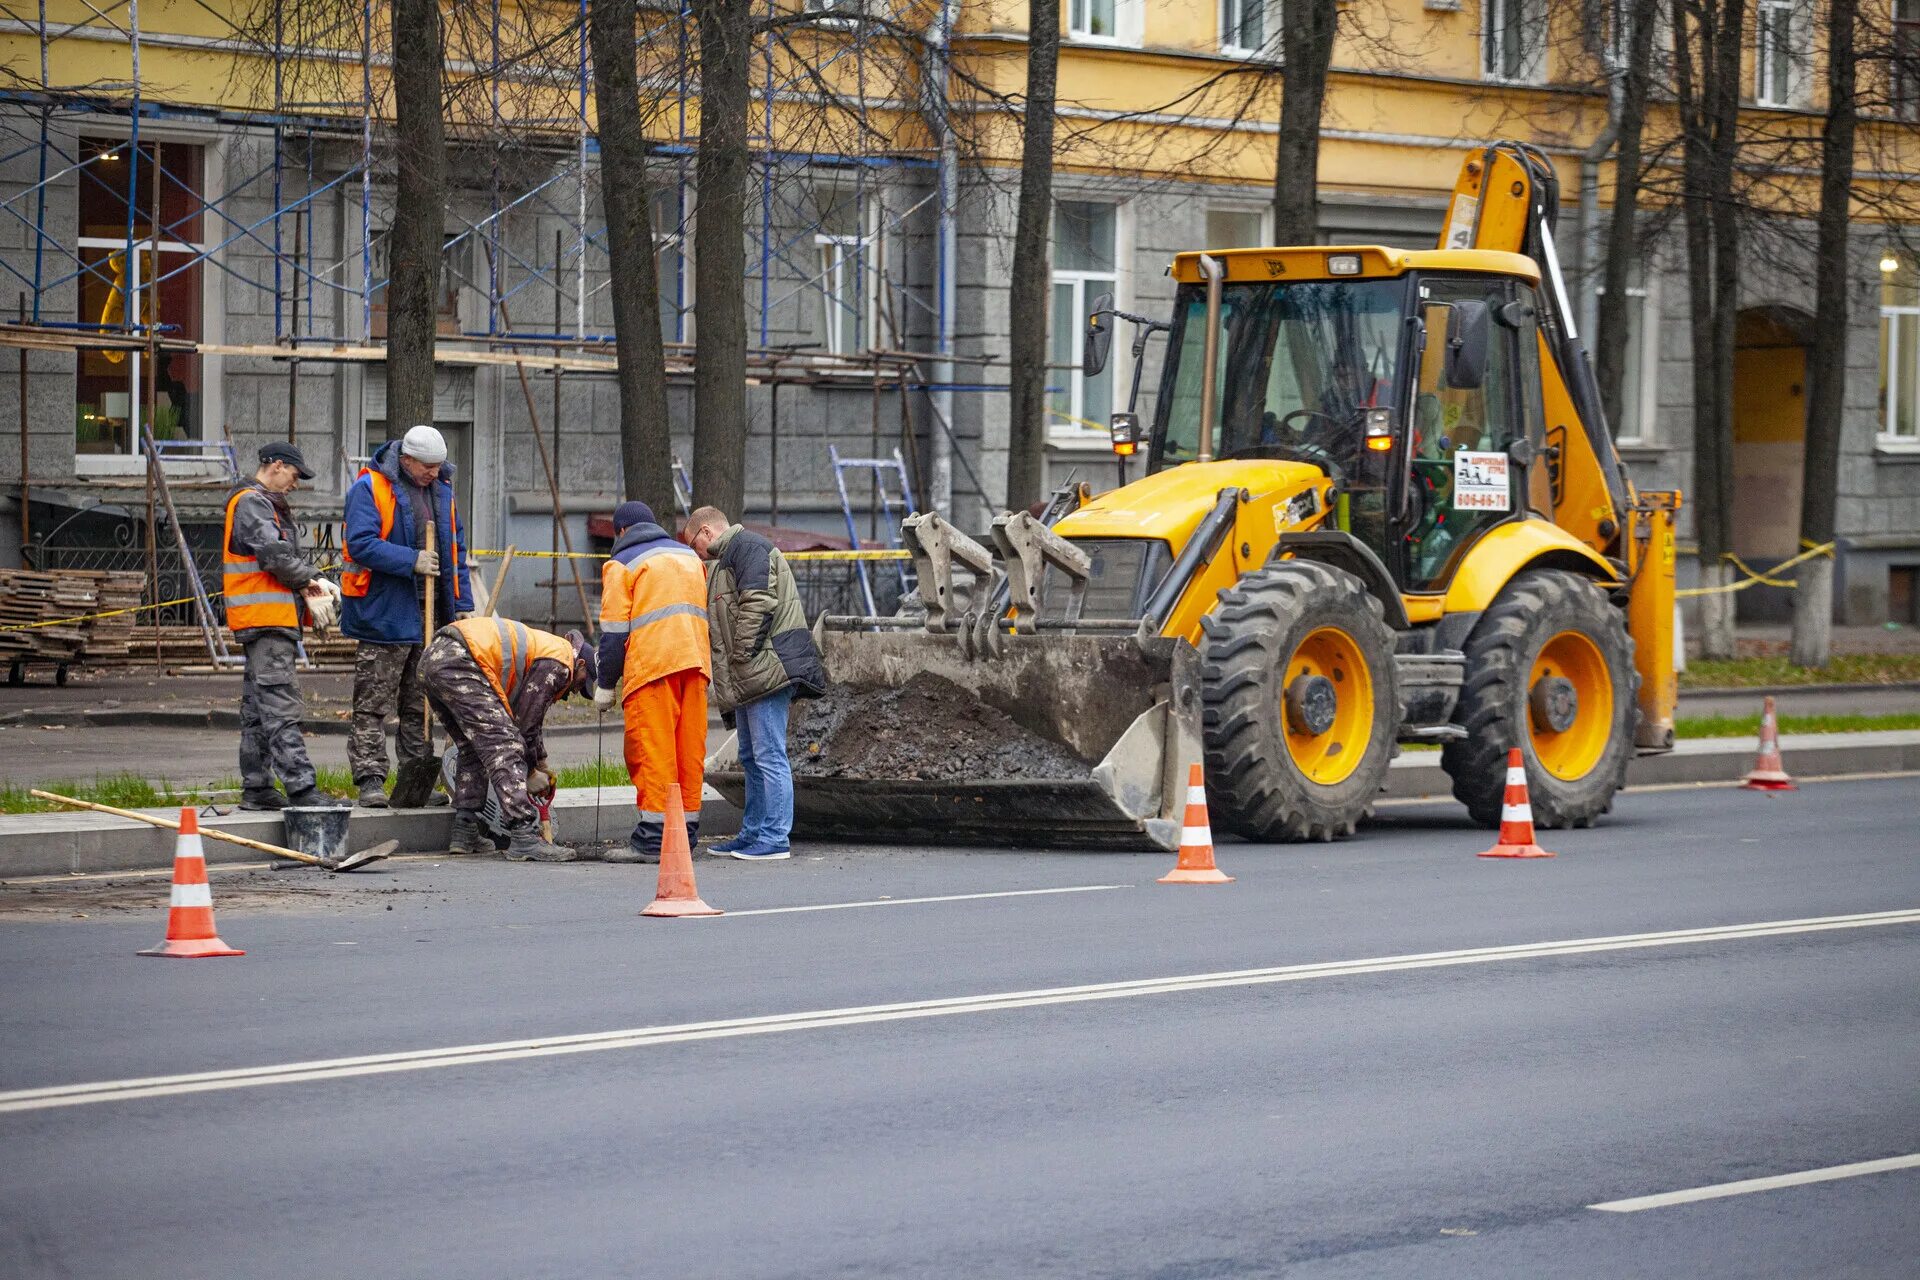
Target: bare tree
[419, 216]
[646, 445]
[1307, 30]
[1706, 48]
[1635, 85]
[720, 256]
[1027, 291]
[1827, 363]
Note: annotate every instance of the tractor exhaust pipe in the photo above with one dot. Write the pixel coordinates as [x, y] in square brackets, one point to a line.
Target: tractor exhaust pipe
[1215, 271]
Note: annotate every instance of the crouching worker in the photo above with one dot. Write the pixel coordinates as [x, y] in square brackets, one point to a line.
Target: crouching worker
[491, 682]
[653, 659]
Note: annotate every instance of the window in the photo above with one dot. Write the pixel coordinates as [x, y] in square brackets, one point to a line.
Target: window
[847, 276]
[1085, 257]
[1110, 21]
[1899, 349]
[1245, 27]
[1776, 58]
[1638, 387]
[670, 260]
[1513, 40]
[161, 281]
[1236, 229]
[1906, 59]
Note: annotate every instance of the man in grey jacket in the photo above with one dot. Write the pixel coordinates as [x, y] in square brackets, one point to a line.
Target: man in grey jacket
[763, 657]
[266, 583]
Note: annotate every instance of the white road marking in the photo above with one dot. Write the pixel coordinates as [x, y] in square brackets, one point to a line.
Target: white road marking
[647, 1037]
[1751, 1185]
[904, 902]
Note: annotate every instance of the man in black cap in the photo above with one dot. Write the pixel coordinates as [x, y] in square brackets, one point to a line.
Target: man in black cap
[268, 588]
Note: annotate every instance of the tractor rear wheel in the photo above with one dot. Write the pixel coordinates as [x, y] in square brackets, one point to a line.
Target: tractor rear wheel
[1299, 702]
[1549, 670]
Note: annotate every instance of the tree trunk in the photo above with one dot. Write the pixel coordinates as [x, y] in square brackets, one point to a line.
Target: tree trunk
[414, 241]
[646, 444]
[1827, 363]
[1709, 111]
[1028, 340]
[1306, 41]
[1622, 230]
[720, 258]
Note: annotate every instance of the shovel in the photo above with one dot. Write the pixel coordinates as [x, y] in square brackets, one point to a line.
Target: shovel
[352, 862]
[415, 781]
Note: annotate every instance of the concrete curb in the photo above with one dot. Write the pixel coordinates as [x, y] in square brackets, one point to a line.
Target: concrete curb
[44, 844]
[215, 718]
[35, 844]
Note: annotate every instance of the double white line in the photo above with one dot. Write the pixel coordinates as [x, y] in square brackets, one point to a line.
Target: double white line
[682, 1033]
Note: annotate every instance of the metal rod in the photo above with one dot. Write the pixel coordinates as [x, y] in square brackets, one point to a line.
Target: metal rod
[26, 519]
[553, 579]
[1213, 269]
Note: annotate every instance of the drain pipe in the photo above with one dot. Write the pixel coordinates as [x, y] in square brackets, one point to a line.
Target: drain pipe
[1587, 245]
[1214, 270]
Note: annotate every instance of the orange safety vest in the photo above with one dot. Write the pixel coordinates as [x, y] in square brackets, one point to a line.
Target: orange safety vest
[659, 602]
[253, 597]
[354, 581]
[504, 649]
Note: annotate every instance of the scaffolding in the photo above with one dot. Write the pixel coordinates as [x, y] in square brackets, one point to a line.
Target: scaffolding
[302, 225]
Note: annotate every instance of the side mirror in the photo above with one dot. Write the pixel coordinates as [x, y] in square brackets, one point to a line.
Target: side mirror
[1469, 335]
[1099, 341]
[1126, 434]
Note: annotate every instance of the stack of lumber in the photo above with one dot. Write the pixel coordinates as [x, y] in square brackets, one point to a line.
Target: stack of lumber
[68, 597]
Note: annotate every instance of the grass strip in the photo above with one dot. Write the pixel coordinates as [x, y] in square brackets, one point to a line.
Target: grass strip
[1756, 673]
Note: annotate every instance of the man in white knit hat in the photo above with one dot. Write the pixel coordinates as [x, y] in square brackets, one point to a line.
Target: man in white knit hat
[406, 486]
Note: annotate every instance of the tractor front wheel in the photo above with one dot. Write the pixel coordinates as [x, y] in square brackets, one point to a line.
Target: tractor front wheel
[1299, 702]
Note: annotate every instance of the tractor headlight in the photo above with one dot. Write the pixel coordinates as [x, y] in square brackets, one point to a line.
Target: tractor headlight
[1343, 264]
[1379, 430]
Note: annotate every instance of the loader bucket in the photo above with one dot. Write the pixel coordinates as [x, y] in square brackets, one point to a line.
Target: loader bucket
[1059, 740]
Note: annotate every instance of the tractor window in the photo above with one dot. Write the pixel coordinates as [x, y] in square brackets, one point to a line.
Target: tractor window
[1461, 479]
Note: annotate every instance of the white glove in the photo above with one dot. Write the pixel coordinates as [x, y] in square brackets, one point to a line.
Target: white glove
[540, 783]
[602, 698]
[323, 603]
[427, 564]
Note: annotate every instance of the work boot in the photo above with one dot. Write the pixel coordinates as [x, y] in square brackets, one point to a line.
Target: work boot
[438, 799]
[309, 797]
[373, 795]
[267, 801]
[468, 835]
[640, 847]
[526, 844]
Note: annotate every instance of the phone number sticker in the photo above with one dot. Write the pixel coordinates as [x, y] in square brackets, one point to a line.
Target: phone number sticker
[1480, 482]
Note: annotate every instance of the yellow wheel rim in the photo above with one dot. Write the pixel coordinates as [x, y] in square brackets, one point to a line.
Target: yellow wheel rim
[1571, 751]
[1331, 755]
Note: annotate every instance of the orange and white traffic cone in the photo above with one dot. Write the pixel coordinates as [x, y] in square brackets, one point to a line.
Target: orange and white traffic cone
[1516, 815]
[676, 895]
[190, 930]
[1768, 774]
[1196, 838]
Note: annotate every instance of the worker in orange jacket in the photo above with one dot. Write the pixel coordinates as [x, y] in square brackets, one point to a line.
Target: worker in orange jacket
[654, 653]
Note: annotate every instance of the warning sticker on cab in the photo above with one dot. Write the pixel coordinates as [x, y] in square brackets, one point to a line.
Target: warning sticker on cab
[1480, 482]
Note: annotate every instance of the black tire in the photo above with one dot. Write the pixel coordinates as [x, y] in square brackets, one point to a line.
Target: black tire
[1495, 706]
[1254, 786]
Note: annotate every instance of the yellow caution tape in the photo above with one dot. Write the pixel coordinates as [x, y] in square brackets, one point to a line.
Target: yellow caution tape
[110, 613]
[1755, 577]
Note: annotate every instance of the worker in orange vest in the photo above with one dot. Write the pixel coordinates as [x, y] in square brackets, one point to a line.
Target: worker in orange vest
[491, 682]
[266, 586]
[654, 660]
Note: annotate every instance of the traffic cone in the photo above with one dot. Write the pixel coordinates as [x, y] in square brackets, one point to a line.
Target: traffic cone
[1767, 773]
[190, 913]
[676, 895]
[1196, 839]
[1516, 816]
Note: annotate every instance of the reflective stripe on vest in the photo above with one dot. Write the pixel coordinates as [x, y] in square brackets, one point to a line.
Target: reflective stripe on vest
[253, 597]
[504, 649]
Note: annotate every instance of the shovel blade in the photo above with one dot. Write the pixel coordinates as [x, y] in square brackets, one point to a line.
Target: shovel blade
[415, 783]
[373, 853]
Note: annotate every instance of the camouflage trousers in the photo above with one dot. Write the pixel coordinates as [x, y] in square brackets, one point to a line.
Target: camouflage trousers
[386, 680]
[491, 748]
[270, 739]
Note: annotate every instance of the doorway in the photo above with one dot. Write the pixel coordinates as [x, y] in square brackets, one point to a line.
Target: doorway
[1769, 445]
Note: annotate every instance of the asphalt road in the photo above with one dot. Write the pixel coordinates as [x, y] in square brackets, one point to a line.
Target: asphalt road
[1453, 1115]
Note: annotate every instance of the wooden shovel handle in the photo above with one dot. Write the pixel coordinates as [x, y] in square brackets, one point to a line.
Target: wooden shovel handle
[172, 824]
[426, 625]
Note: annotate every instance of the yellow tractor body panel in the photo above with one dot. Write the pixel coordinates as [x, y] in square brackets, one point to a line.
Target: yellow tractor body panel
[1581, 503]
[1505, 550]
[1376, 261]
[1170, 504]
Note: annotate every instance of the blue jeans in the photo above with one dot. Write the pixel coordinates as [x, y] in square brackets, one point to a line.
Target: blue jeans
[762, 729]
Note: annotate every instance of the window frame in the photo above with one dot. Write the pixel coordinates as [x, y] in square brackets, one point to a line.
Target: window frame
[1766, 50]
[1645, 394]
[1903, 71]
[1270, 19]
[1533, 56]
[1120, 363]
[679, 241]
[1894, 318]
[1128, 24]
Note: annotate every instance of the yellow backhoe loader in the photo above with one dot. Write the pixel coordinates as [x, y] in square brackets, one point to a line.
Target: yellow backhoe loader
[1392, 513]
